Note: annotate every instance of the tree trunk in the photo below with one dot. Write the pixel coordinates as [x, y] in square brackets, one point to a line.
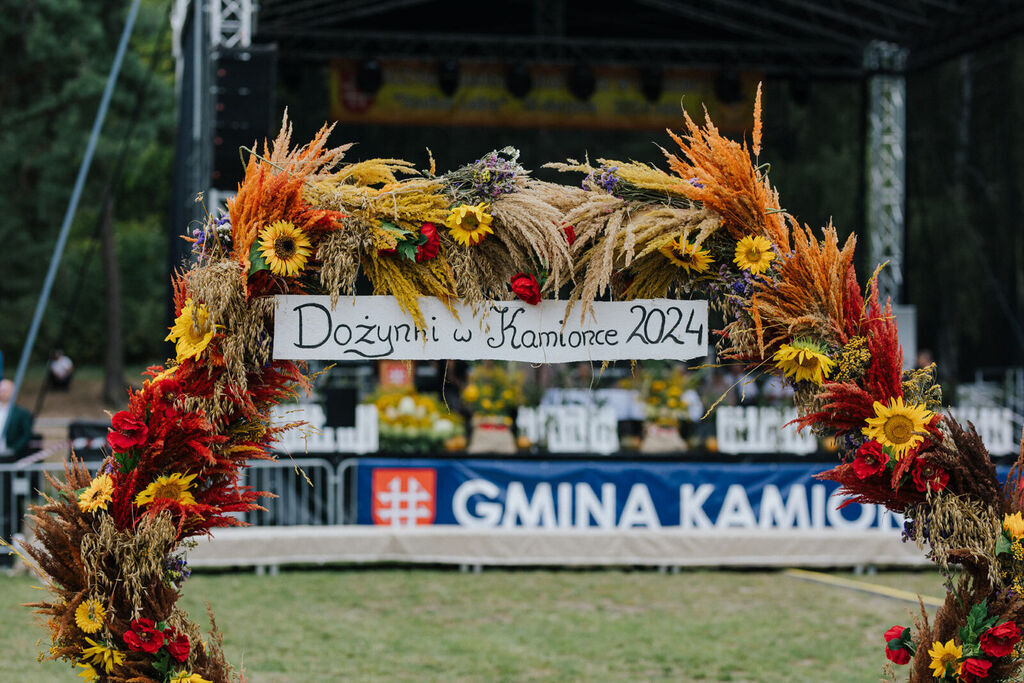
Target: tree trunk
[113, 375]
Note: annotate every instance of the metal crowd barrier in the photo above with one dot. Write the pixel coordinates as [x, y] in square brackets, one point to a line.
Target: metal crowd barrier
[307, 491]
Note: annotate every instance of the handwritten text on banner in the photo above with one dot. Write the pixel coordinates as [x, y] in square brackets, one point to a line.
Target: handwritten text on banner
[306, 328]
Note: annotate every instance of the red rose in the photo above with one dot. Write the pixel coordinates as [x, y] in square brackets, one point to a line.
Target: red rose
[926, 474]
[899, 655]
[871, 459]
[177, 644]
[570, 234]
[526, 288]
[143, 637]
[972, 669]
[998, 641]
[428, 249]
[127, 431]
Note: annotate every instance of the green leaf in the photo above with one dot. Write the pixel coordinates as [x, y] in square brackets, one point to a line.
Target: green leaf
[163, 663]
[407, 249]
[1003, 544]
[127, 460]
[391, 227]
[256, 261]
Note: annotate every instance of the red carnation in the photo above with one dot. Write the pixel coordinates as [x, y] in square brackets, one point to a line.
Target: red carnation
[127, 431]
[177, 644]
[143, 637]
[998, 641]
[428, 249]
[972, 669]
[570, 234]
[871, 459]
[526, 288]
[926, 474]
[900, 655]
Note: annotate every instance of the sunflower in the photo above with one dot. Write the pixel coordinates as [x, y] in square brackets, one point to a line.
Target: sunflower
[173, 487]
[88, 673]
[102, 656]
[185, 677]
[688, 255]
[896, 425]
[192, 331]
[804, 359]
[944, 655]
[1013, 525]
[89, 615]
[285, 248]
[469, 224]
[754, 254]
[96, 496]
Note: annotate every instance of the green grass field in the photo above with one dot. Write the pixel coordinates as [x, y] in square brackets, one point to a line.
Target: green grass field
[427, 624]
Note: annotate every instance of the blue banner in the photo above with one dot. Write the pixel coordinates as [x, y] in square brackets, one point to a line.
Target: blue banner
[600, 494]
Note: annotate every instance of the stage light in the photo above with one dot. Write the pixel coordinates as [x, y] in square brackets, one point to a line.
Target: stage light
[448, 76]
[651, 84]
[518, 80]
[728, 88]
[581, 82]
[369, 76]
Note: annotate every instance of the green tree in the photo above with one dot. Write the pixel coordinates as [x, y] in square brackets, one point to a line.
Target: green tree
[57, 57]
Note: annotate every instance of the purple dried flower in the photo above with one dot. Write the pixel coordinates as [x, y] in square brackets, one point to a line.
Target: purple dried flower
[603, 178]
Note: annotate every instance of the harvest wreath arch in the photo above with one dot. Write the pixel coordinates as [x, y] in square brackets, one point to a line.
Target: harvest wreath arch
[111, 547]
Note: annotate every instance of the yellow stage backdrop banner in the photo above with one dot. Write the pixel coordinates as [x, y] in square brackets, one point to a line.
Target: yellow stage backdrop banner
[410, 95]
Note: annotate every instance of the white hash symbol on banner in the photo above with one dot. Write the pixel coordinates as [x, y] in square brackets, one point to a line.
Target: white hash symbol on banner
[404, 506]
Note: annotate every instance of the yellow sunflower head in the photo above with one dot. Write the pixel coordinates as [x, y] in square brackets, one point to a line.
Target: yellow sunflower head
[88, 672]
[754, 254]
[469, 225]
[172, 487]
[187, 677]
[285, 248]
[96, 496]
[688, 255]
[804, 360]
[943, 656]
[897, 425]
[101, 656]
[1013, 525]
[192, 331]
[89, 615]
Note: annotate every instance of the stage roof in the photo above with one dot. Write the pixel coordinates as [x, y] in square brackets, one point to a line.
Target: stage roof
[810, 38]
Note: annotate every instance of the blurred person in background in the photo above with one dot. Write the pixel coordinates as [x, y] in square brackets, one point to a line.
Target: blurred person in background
[14, 439]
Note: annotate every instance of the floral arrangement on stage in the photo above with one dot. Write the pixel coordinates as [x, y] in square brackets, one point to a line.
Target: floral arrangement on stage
[410, 422]
[493, 388]
[669, 393]
[111, 546]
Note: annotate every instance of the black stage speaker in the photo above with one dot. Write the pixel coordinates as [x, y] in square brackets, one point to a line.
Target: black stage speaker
[243, 98]
[341, 406]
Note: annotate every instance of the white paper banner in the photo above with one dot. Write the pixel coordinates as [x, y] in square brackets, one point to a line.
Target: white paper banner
[306, 328]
